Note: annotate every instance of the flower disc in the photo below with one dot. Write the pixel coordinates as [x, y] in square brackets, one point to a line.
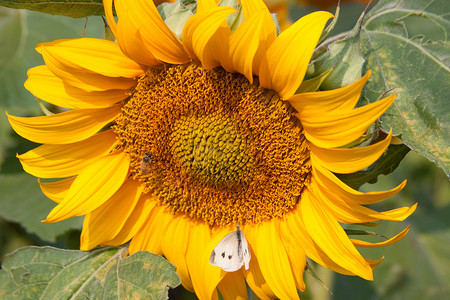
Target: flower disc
[225, 152]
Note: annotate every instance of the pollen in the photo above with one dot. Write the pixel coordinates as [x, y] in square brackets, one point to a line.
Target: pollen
[216, 148]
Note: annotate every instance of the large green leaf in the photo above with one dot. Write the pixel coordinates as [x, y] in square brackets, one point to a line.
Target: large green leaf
[51, 273]
[405, 44]
[69, 8]
[22, 201]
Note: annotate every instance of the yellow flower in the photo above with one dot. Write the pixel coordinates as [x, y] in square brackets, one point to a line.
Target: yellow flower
[171, 144]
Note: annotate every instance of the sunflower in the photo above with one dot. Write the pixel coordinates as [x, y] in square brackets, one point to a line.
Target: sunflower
[171, 144]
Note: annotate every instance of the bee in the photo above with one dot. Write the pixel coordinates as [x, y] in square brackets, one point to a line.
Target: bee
[145, 162]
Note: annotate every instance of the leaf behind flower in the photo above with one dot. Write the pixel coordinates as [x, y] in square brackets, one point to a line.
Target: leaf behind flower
[51, 273]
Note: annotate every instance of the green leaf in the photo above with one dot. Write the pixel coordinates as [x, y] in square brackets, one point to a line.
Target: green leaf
[387, 163]
[24, 30]
[405, 44]
[68, 8]
[51, 273]
[23, 202]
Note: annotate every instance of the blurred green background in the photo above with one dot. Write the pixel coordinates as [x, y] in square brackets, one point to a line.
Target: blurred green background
[418, 267]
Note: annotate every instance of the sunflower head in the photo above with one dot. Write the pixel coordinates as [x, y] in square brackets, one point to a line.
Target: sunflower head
[171, 143]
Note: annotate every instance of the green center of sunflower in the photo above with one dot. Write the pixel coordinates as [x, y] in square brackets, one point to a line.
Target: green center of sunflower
[212, 146]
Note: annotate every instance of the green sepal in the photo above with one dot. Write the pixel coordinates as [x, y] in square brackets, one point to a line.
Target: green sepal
[176, 14]
[313, 84]
[44, 109]
[234, 20]
[368, 224]
[362, 232]
[387, 163]
[343, 55]
[326, 32]
[313, 274]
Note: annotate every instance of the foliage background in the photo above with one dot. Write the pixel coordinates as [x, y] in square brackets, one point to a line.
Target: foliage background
[417, 267]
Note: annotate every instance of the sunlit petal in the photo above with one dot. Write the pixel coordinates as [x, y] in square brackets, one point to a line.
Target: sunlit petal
[337, 129]
[331, 238]
[56, 190]
[58, 161]
[284, 65]
[158, 38]
[43, 84]
[92, 187]
[349, 160]
[273, 260]
[342, 99]
[199, 30]
[398, 237]
[66, 127]
[233, 286]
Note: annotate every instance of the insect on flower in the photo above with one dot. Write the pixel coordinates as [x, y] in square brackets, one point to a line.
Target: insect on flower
[145, 162]
[232, 252]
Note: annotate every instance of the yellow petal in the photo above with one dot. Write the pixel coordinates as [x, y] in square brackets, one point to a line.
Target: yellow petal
[233, 286]
[256, 280]
[205, 277]
[138, 218]
[66, 127]
[337, 129]
[129, 37]
[203, 5]
[398, 237]
[93, 187]
[329, 181]
[250, 41]
[57, 190]
[200, 29]
[106, 221]
[331, 238]
[150, 236]
[285, 63]
[58, 161]
[82, 78]
[46, 86]
[96, 55]
[174, 246]
[296, 254]
[273, 260]
[374, 262]
[349, 160]
[250, 7]
[157, 37]
[303, 240]
[108, 6]
[218, 49]
[317, 103]
[350, 212]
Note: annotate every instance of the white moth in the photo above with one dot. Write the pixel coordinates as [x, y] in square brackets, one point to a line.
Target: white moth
[231, 252]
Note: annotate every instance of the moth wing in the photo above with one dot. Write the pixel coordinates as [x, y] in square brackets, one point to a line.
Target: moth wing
[225, 254]
[245, 252]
